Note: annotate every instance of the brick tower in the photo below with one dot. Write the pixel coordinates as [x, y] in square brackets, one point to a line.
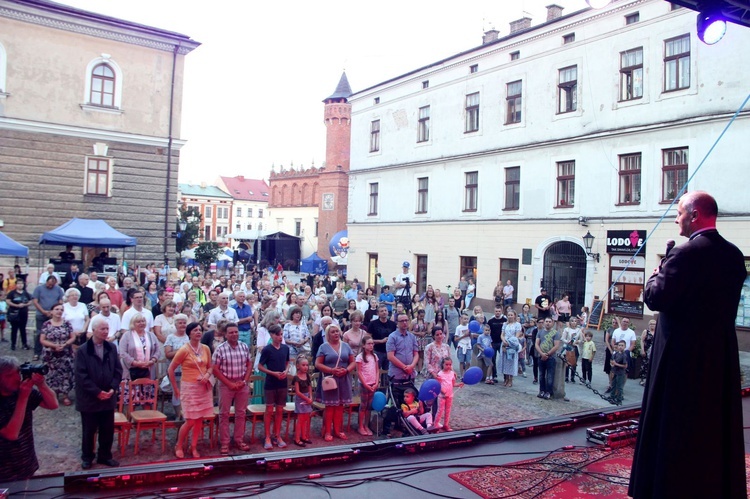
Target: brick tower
[334, 177]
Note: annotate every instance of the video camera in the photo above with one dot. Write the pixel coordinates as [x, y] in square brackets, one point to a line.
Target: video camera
[27, 369]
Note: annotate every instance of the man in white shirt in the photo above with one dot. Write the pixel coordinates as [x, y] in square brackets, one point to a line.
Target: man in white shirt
[362, 303]
[223, 311]
[624, 333]
[49, 272]
[105, 310]
[93, 279]
[400, 283]
[508, 294]
[137, 308]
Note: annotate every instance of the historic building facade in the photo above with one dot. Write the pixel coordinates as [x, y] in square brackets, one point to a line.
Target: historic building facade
[215, 207]
[249, 203]
[90, 110]
[494, 162]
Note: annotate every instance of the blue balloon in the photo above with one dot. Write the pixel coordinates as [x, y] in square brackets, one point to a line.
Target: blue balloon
[475, 327]
[429, 390]
[378, 401]
[489, 352]
[473, 375]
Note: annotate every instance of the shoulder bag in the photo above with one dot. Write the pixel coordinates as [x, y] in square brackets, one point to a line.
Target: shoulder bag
[329, 382]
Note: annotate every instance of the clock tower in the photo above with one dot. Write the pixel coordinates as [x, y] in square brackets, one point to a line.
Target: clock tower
[334, 177]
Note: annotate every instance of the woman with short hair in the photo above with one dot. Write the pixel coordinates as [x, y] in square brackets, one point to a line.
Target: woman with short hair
[77, 314]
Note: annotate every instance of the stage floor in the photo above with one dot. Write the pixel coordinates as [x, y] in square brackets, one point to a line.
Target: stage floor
[380, 470]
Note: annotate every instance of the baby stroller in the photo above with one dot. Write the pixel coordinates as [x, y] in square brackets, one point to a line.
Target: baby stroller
[392, 414]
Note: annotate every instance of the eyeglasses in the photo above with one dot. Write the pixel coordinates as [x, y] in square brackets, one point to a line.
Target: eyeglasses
[403, 320]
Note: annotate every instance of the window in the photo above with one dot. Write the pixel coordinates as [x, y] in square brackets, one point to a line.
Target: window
[472, 112]
[207, 233]
[569, 38]
[677, 63]
[422, 190]
[514, 56]
[222, 212]
[630, 179]
[632, 18]
[260, 227]
[513, 99]
[209, 213]
[376, 100]
[102, 86]
[97, 176]
[471, 191]
[316, 227]
[469, 267]
[423, 126]
[238, 227]
[298, 227]
[239, 211]
[473, 68]
[426, 84]
[513, 188]
[373, 208]
[375, 136]
[250, 212]
[566, 183]
[568, 90]
[674, 172]
[260, 212]
[509, 271]
[249, 226]
[631, 74]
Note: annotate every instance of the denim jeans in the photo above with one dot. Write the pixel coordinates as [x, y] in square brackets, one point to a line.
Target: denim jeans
[547, 375]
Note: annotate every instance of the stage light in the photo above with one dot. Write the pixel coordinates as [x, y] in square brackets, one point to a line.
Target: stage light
[597, 4]
[711, 27]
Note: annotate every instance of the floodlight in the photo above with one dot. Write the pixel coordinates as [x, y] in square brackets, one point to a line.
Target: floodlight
[711, 27]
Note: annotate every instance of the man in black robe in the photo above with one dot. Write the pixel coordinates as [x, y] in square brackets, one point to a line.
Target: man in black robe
[690, 440]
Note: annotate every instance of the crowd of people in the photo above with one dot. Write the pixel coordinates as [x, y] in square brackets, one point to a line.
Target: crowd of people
[204, 336]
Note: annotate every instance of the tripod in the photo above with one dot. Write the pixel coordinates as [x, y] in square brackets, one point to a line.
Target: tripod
[405, 297]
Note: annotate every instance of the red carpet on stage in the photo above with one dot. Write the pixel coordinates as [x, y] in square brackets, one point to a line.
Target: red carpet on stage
[589, 472]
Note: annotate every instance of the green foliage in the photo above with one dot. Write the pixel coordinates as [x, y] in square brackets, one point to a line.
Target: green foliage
[191, 215]
[206, 253]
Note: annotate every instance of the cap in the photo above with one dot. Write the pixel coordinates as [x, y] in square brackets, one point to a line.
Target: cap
[406, 264]
[543, 289]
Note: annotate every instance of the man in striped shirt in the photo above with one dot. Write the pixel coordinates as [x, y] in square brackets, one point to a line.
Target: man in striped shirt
[232, 368]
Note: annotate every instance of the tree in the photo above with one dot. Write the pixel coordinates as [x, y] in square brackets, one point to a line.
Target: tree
[186, 238]
[206, 253]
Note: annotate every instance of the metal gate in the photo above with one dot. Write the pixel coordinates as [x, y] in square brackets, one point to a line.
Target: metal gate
[565, 272]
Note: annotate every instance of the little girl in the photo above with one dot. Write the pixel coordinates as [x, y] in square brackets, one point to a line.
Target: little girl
[584, 316]
[302, 402]
[413, 410]
[367, 370]
[447, 379]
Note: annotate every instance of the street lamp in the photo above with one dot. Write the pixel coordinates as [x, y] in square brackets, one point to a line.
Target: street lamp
[182, 224]
[588, 242]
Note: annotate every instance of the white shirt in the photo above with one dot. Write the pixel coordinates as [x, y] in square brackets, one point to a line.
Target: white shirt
[114, 324]
[401, 278]
[125, 322]
[627, 335]
[362, 305]
[45, 275]
[75, 315]
[218, 314]
[464, 343]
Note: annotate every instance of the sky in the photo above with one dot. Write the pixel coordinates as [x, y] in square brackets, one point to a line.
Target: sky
[253, 90]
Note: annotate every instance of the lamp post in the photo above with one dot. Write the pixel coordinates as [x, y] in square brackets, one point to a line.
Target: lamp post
[588, 243]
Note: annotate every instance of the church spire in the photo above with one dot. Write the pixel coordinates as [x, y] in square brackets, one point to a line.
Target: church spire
[343, 90]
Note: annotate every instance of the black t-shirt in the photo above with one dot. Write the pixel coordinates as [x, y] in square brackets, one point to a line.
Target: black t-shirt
[19, 298]
[543, 301]
[380, 330]
[275, 359]
[496, 327]
[18, 458]
[208, 307]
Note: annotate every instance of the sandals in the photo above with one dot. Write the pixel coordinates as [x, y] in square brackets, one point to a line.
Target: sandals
[66, 402]
[342, 435]
[300, 444]
[281, 444]
[224, 450]
[268, 445]
[196, 454]
[178, 453]
[242, 446]
[362, 432]
[328, 437]
[306, 440]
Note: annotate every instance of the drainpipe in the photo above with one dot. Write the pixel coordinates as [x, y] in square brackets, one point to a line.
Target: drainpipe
[167, 200]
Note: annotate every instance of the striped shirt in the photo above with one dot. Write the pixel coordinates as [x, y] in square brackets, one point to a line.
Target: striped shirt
[232, 361]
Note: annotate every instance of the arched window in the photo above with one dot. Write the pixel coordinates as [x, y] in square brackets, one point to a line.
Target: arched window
[102, 86]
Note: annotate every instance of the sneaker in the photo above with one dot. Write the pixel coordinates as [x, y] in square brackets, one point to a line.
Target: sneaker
[109, 462]
[536, 381]
[423, 431]
[547, 396]
[26, 347]
[524, 375]
[541, 395]
[609, 389]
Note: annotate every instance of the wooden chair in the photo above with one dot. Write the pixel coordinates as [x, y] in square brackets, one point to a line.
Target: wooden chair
[256, 412]
[145, 392]
[351, 408]
[122, 424]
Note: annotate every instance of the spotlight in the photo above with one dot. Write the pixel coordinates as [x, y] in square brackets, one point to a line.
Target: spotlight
[597, 4]
[711, 27]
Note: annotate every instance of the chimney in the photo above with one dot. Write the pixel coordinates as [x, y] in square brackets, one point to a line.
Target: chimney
[203, 185]
[553, 12]
[241, 178]
[519, 25]
[490, 36]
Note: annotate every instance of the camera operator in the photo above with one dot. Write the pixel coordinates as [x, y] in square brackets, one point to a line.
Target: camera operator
[403, 284]
[17, 401]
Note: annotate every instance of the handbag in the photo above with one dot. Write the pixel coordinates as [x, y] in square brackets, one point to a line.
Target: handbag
[139, 372]
[329, 382]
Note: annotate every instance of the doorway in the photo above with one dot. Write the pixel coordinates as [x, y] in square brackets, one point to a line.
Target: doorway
[564, 271]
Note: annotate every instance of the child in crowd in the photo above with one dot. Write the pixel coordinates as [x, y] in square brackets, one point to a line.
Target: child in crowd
[447, 379]
[587, 357]
[583, 317]
[387, 297]
[619, 364]
[302, 402]
[463, 349]
[571, 338]
[3, 315]
[483, 343]
[367, 371]
[521, 353]
[413, 411]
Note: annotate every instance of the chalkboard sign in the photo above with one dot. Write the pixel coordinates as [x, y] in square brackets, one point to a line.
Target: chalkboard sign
[597, 312]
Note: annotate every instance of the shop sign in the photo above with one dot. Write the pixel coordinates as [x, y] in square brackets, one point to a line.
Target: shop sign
[624, 242]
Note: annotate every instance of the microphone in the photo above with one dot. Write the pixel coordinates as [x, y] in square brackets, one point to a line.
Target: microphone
[670, 245]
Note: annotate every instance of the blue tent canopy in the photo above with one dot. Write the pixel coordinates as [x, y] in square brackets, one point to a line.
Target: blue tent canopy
[313, 264]
[90, 233]
[10, 247]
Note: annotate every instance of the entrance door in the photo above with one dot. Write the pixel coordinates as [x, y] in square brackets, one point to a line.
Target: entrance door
[565, 272]
[372, 269]
[421, 274]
